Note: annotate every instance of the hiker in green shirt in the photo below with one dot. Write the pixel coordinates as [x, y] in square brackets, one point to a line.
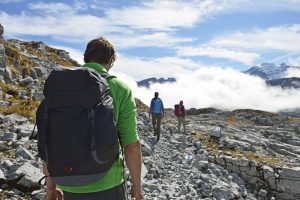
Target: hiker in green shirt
[100, 55]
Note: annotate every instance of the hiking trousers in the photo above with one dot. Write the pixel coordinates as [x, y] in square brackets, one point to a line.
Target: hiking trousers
[181, 120]
[115, 193]
[156, 121]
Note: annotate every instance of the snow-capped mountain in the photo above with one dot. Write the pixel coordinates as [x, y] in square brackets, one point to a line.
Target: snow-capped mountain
[149, 81]
[269, 71]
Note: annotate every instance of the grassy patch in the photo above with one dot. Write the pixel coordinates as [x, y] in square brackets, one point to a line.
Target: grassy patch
[266, 159]
[208, 142]
[9, 89]
[293, 120]
[171, 121]
[231, 121]
[24, 107]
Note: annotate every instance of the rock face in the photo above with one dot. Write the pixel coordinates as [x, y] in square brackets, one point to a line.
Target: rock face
[262, 148]
[1, 30]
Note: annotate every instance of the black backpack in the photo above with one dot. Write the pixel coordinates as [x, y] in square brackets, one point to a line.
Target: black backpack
[77, 134]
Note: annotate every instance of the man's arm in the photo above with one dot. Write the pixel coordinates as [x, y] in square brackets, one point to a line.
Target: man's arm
[151, 107]
[133, 157]
[162, 107]
[52, 192]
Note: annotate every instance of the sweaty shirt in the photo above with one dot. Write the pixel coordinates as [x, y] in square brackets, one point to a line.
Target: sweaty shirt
[125, 118]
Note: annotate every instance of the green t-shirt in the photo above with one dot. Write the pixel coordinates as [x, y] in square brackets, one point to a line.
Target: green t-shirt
[125, 117]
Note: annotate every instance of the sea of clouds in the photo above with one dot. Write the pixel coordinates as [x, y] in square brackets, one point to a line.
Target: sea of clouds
[224, 88]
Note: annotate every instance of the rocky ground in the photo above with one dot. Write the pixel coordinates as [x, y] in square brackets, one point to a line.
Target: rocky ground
[183, 166]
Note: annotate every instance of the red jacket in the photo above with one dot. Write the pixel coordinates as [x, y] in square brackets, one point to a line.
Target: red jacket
[181, 111]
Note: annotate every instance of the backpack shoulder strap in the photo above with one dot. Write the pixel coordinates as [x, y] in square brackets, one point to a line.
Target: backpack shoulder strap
[107, 76]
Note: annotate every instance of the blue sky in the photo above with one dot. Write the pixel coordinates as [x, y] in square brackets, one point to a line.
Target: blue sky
[204, 44]
[180, 36]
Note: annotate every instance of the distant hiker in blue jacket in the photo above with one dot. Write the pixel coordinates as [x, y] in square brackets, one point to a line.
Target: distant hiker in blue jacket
[157, 111]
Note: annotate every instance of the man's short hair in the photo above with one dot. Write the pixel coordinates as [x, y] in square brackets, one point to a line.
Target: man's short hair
[100, 51]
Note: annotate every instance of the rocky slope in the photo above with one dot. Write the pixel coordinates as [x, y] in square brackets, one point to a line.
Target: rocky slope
[241, 154]
[293, 82]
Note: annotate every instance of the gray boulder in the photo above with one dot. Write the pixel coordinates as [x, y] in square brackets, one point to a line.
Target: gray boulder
[28, 176]
[146, 149]
[3, 103]
[26, 81]
[39, 71]
[23, 130]
[215, 132]
[9, 136]
[2, 176]
[1, 30]
[2, 56]
[21, 151]
[14, 118]
[7, 73]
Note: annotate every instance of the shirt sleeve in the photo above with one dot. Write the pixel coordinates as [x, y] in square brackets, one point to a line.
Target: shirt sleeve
[162, 107]
[151, 106]
[126, 113]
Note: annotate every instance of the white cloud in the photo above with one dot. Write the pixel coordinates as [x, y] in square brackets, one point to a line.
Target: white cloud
[158, 40]
[221, 88]
[142, 68]
[294, 61]
[51, 8]
[11, 1]
[282, 38]
[293, 73]
[166, 15]
[70, 26]
[268, 5]
[80, 5]
[215, 52]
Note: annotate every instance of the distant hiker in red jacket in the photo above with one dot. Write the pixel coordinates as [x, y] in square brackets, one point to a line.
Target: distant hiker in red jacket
[180, 114]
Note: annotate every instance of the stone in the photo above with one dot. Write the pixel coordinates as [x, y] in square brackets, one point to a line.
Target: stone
[24, 130]
[2, 56]
[39, 71]
[215, 132]
[14, 118]
[37, 96]
[22, 94]
[26, 81]
[7, 73]
[38, 194]
[2, 177]
[236, 144]
[9, 136]
[21, 151]
[3, 103]
[146, 149]
[262, 193]
[1, 31]
[144, 170]
[7, 164]
[30, 175]
[33, 74]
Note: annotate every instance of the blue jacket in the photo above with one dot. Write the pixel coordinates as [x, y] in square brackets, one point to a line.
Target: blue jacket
[156, 106]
